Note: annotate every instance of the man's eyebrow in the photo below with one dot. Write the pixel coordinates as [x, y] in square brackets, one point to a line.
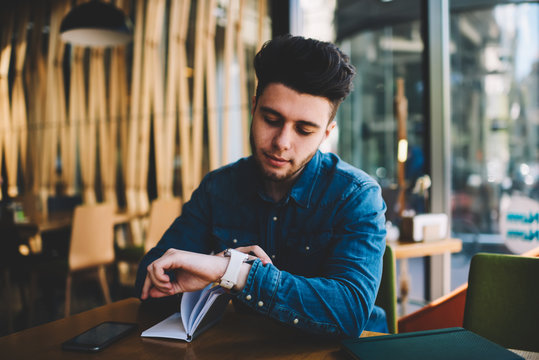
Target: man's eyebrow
[278, 114]
[271, 111]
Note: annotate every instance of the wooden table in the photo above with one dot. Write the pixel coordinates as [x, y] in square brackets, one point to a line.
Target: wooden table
[62, 220]
[439, 278]
[404, 250]
[238, 336]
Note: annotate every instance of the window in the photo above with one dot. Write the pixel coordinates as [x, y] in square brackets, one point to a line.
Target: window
[495, 121]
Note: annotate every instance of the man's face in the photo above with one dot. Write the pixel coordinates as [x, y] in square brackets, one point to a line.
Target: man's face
[287, 129]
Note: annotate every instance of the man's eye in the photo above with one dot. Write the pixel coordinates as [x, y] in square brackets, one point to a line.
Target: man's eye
[303, 131]
[271, 121]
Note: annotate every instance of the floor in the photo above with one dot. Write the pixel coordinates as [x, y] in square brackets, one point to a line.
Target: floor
[86, 294]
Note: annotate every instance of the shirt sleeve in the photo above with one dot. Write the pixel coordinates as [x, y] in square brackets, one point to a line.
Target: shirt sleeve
[339, 302]
[190, 232]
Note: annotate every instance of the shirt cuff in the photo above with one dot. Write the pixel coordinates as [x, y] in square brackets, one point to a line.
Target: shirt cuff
[256, 296]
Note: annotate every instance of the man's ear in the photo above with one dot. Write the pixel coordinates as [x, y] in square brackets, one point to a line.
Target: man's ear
[253, 105]
[329, 128]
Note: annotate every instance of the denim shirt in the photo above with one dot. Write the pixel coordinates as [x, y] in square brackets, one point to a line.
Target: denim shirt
[326, 239]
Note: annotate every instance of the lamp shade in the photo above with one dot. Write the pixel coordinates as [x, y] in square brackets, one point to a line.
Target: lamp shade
[96, 23]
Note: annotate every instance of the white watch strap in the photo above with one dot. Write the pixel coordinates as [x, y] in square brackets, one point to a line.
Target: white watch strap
[230, 278]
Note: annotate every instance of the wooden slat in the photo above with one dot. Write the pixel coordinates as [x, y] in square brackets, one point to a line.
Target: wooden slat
[69, 132]
[262, 10]
[157, 99]
[142, 202]
[198, 95]
[18, 106]
[90, 129]
[184, 127]
[67, 145]
[78, 121]
[6, 134]
[117, 113]
[114, 108]
[143, 116]
[134, 122]
[211, 96]
[244, 98]
[53, 110]
[171, 99]
[121, 105]
[227, 66]
[105, 132]
[35, 79]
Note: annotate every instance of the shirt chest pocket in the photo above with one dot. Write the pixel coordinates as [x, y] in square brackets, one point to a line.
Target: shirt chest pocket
[233, 238]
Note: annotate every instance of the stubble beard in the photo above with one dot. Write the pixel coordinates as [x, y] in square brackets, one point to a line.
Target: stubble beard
[271, 176]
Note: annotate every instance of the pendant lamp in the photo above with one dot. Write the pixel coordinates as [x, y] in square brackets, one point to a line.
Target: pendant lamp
[96, 24]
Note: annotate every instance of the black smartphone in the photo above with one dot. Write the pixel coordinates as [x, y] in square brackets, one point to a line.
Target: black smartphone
[99, 337]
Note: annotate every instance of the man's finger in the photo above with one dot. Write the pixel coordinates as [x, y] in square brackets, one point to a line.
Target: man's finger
[158, 277]
[156, 293]
[256, 251]
[146, 288]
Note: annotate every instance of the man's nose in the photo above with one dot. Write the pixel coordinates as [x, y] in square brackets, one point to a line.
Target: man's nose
[283, 138]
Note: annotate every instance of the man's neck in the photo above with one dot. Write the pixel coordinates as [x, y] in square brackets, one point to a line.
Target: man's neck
[277, 190]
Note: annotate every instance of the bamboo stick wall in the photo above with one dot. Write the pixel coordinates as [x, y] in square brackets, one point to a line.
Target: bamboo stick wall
[74, 117]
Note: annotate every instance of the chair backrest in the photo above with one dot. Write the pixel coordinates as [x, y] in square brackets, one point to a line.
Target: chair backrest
[387, 294]
[162, 213]
[92, 236]
[502, 302]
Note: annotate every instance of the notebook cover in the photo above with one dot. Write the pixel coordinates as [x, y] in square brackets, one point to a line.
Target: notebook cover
[440, 344]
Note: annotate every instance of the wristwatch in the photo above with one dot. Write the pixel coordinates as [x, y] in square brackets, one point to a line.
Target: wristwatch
[230, 278]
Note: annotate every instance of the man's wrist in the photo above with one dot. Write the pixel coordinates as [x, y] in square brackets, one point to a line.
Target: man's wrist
[242, 278]
[234, 268]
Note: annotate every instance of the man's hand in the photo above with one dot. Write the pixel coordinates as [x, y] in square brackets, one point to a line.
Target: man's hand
[255, 251]
[192, 271]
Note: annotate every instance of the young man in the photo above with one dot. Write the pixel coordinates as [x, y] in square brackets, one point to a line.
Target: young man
[314, 223]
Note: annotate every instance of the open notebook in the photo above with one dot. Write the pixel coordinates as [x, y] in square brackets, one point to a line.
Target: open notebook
[198, 311]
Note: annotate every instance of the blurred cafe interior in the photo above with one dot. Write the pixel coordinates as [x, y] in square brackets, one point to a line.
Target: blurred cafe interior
[105, 133]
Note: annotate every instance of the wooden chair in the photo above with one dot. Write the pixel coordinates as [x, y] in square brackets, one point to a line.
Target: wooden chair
[502, 303]
[91, 245]
[446, 311]
[163, 211]
[387, 294]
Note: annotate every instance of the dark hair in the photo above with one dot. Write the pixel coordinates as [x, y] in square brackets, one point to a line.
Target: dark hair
[305, 65]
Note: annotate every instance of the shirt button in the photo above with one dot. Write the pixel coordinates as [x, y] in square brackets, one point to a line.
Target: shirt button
[296, 321]
[235, 241]
[307, 248]
[275, 218]
[273, 256]
[260, 304]
[248, 297]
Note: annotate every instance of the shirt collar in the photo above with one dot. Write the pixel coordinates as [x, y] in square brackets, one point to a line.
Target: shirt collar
[303, 188]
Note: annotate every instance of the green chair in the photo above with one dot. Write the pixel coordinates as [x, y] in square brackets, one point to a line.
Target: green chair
[387, 294]
[502, 303]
